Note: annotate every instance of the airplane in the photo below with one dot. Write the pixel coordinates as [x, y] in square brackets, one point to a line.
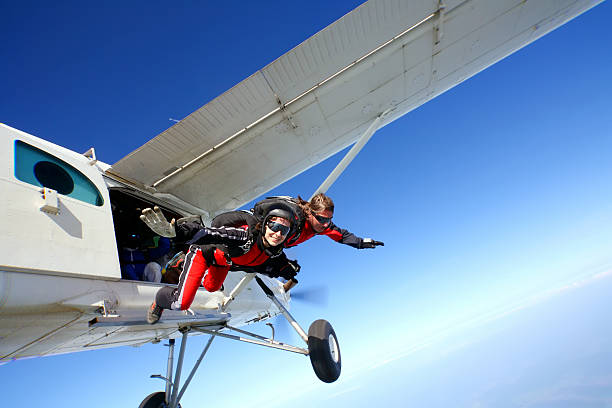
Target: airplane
[303, 105]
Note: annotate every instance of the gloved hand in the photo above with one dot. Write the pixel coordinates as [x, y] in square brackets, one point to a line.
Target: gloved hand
[289, 270]
[370, 243]
[154, 218]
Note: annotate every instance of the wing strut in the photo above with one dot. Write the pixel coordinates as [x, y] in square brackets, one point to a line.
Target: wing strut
[348, 158]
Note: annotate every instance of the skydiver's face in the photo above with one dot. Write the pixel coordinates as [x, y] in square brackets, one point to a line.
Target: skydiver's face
[274, 238]
[321, 220]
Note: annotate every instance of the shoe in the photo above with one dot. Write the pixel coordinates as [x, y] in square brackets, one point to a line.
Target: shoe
[154, 313]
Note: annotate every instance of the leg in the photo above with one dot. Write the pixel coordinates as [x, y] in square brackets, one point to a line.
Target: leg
[181, 297]
[190, 279]
[195, 269]
[218, 270]
[165, 296]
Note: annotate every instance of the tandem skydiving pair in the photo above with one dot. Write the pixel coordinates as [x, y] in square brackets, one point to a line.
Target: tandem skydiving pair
[243, 240]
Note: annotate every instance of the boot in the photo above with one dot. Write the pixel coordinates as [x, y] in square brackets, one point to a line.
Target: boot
[154, 313]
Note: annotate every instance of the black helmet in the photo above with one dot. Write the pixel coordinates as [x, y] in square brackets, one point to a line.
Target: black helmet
[284, 211]
[279, 212]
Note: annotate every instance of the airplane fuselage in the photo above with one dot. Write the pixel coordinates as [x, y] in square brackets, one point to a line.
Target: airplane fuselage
[64, 222]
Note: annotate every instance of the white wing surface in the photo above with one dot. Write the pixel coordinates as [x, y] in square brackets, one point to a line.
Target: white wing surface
[319, 97]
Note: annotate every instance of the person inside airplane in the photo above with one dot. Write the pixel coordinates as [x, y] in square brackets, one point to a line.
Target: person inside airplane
[242, 242]
[142, 262]
[173, 268]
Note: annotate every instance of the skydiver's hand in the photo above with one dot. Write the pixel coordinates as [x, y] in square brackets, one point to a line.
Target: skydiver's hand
[289, 270]
[154, 218]
[370, 243]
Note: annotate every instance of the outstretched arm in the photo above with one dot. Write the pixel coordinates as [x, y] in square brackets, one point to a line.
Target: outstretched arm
[348, 238]
[183, 228]
[186, 229]
[219, 235]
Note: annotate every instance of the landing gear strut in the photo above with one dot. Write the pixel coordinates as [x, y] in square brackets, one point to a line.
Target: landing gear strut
[323, 350]
[323, 347]
[171, 397]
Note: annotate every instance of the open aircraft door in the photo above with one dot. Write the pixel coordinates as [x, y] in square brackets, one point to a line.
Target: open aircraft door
[59, 207]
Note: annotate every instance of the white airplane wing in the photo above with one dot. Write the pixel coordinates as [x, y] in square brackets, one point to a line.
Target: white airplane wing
[319, 97]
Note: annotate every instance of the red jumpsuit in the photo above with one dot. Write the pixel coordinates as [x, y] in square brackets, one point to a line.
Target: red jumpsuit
[234, 242]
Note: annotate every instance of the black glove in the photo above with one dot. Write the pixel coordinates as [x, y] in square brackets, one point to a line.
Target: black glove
[370, 243]
[289, 270]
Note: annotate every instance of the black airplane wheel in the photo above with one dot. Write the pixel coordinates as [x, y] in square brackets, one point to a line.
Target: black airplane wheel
[155, 400]
[324, 351]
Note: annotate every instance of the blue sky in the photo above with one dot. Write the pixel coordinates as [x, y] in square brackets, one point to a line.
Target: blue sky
[494, 202]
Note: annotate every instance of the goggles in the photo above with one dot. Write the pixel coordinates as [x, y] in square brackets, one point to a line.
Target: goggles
[322, 220]
[277, 226]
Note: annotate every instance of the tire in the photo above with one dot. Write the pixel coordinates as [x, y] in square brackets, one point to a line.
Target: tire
[324, 351]
[155, 400]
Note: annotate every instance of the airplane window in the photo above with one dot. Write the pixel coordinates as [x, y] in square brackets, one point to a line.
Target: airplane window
[50, 174]
[39, 168]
